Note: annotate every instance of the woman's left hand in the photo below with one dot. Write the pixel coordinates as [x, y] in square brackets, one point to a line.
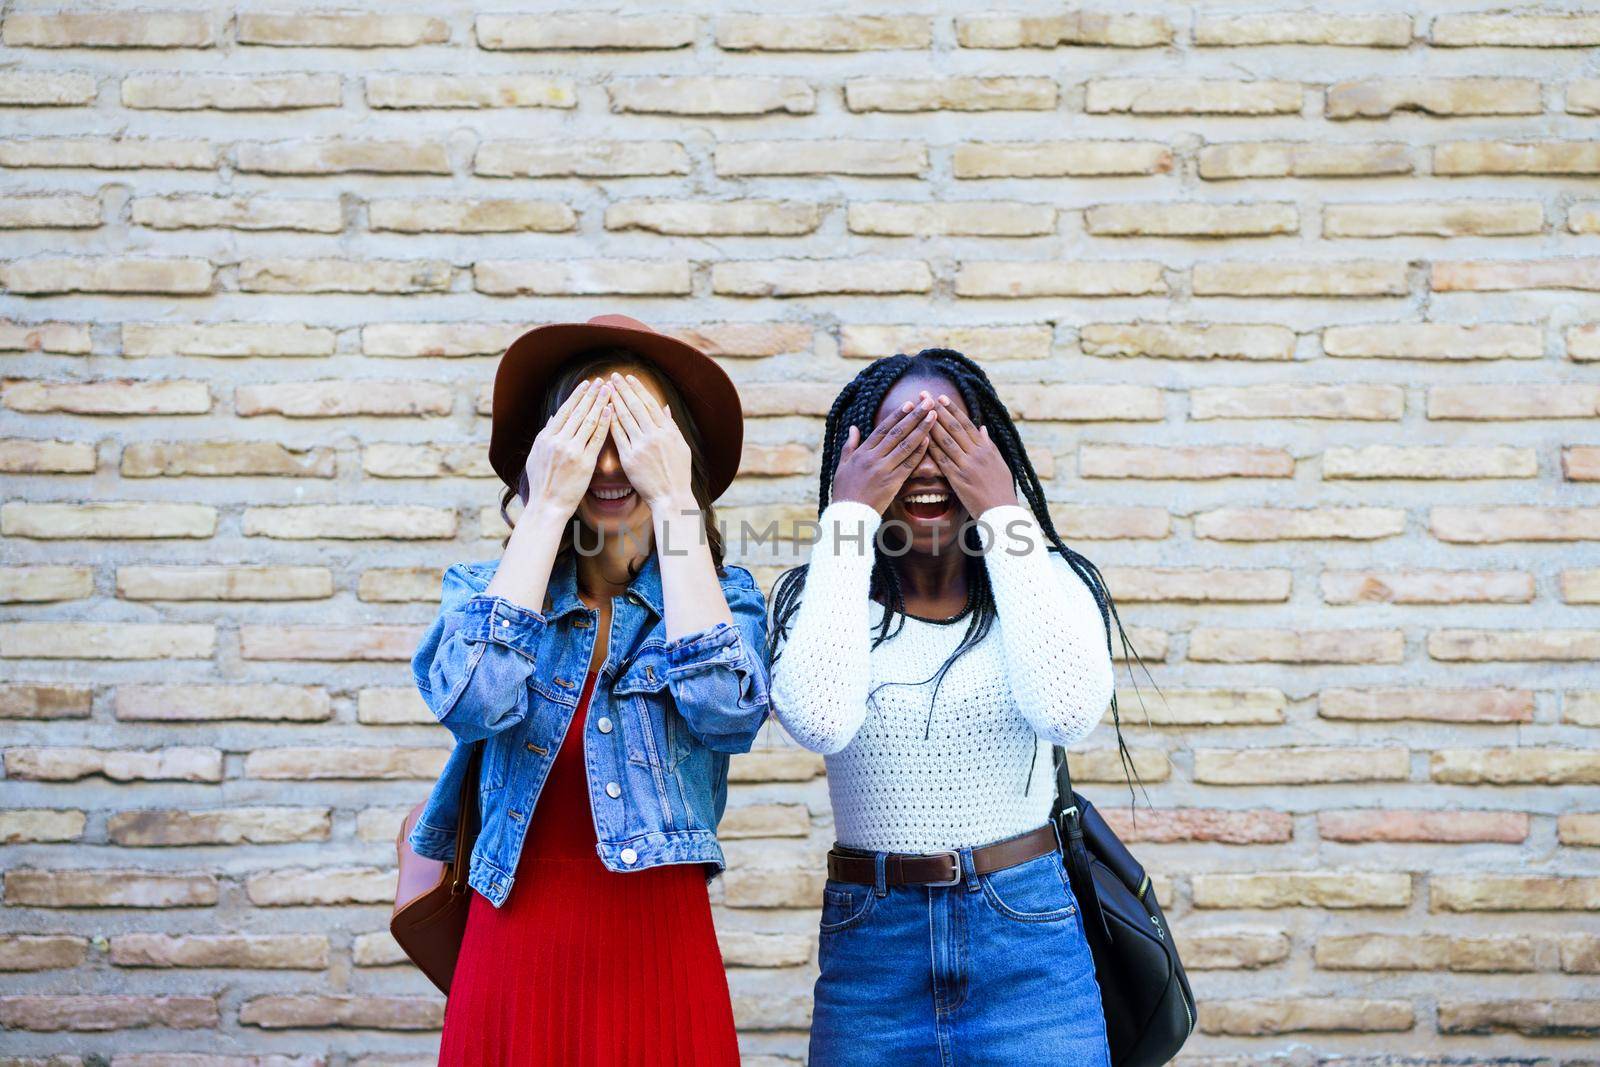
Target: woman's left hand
[970, 461]
[654, 455]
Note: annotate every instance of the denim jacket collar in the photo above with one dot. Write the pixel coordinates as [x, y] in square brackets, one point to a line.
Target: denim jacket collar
[562, 591]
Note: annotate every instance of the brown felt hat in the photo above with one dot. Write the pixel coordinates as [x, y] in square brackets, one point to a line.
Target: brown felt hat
[534, 359]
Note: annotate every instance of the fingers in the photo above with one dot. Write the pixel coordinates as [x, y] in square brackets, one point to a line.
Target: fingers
[883, 429]
[944, 438]
[908, 422]
[965, 430]
[645, 407]
[852, 441]
[908, 452]
[574, 425]
[596, 425]
[622, 410]
[564, 412]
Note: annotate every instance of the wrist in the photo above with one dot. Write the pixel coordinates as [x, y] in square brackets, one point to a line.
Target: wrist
[674, 505]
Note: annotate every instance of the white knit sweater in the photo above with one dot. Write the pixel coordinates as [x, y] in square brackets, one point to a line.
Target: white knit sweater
[1041, 676]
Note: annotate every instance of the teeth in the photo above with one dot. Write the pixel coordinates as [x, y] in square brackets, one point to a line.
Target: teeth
[927, 498]
[611, 494]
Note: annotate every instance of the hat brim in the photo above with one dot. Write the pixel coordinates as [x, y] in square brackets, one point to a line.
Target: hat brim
[533, 360]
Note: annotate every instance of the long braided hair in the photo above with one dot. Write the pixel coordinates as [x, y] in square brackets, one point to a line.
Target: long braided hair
[857, 405]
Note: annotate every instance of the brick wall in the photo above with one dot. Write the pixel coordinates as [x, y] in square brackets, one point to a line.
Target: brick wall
[1299, 311]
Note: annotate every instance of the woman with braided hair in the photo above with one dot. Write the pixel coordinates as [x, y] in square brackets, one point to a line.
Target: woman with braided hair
[941, 636]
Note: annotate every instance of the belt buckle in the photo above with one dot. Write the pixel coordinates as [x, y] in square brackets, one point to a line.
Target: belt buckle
[955, 862]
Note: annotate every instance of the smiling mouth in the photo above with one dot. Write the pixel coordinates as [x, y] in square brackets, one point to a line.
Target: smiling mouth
[610, 498]
[929, 505]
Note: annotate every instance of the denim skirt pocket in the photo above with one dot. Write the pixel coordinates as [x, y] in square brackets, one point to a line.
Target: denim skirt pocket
[844, 905]
[1036, 891]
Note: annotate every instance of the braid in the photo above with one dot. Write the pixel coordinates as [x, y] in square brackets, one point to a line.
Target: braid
[857, 405]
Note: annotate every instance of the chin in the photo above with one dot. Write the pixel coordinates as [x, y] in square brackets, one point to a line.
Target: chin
[928, 538]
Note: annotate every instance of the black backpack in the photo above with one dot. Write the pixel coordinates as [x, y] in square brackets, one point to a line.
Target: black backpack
[1149, 1007]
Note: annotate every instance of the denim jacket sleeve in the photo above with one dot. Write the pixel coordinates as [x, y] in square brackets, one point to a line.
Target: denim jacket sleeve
[718, 676]
[473, 665]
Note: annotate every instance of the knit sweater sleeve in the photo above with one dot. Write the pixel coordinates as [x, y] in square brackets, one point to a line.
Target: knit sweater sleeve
[823, 670]
[1052, 634]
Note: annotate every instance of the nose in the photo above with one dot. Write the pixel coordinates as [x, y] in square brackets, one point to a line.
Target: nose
[608, 463]
[926, 468]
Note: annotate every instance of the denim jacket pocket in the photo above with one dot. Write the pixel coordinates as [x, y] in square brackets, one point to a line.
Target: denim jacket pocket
[653, 738]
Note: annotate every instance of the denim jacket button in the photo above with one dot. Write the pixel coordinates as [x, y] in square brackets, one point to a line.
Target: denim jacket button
[603, 724]
[629, 856]
[613, 790]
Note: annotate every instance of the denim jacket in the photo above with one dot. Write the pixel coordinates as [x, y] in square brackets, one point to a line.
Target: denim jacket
[662, 719]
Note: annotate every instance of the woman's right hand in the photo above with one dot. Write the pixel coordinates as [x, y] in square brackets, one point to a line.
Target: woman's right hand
[561, 462]
[872, 471]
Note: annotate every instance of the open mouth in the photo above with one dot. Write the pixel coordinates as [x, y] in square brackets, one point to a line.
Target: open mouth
[611, 498]
[927, 505]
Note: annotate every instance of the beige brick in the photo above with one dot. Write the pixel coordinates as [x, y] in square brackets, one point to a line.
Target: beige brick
[322, 29]
[1286, 159]
[1197, 584]
[775, 764]
[706, 94]
[346, 1011]
[1382, 97]
[438, 338]
[313, 764]
[1580, 463]
[1429, 462]
[1435, 341]
[1202, 824]
[1425, 952]
[106, 640]
[1060, 159]
[377, 950]
[1581, 707]
[1519, 157]
[1514, 645]
[822, 33]
[1580, 585]
[255, 951]
[42, 275]
[1096, 28]
[1105, 766]
[1299, 524]
[774, 461]
[109, 888]
[1303, 889]
[109, 29]
[1192, 96]
[30, 825]
[29, 700]
[1268, 1016]
[322, 886]
[1513, 401]
[583, 277]
[101, 153]
[1579, 829]
[1358, 402]
[109, 397]
[986, 343]
[1234, 949]
[1088, 403]
[744, 339]
[556, 31]
[344, 276]
[1512, 892]
[1214, 707]
[387, 91]
[65, 338]
[375, 642]
[761, 887]
[196, 211]
[1187, 340]
[1498, 525]
[44, 584]
[106, 1011]
[1503, 275]
[1544, 1017]
[787, 398]
[41, 952]
[398, 584]
[714, 218]
[1436, 705]
[224, 339]
[807, 157]
[396, 706]
[1427, 587]
[108, 519]
[1584, 218]
[1191, 220]
[426, 461]
[149, 459]
[25, 456]
[1304, 27]
[1505, 827]
[1090, 523]
[349, 521]
[1514, 766]
[380, 824]
[46, 88]
[226, 826]
[1033, 278]
[1516, 30]
[230, 92]
[970, 218]
[765, 820]
[1583, 96]
[587, 159]
[743, 948]
[1373, 277]
[335, 398]
[1300, 766]
[342, 157]
[223, 703]
[430, 215]
[1193, 463]
[803, 277]
[950, 94]
[1457, 218]
[170, 764]
[45, 212]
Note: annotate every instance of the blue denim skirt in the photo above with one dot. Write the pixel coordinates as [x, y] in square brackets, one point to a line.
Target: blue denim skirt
[992, 970]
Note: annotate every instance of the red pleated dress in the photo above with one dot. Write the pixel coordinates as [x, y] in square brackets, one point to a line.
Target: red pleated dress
[583, 965]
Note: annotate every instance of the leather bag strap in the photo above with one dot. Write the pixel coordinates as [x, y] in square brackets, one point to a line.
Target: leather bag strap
[1075, 853]
[466, 822]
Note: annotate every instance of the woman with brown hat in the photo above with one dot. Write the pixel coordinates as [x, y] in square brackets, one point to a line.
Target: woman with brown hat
[607, 664]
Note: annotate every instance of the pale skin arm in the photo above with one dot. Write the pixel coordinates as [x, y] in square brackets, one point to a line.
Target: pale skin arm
[656, 458]
[559, 468]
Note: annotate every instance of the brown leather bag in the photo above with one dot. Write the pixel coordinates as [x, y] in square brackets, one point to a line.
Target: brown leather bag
[432, 899]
